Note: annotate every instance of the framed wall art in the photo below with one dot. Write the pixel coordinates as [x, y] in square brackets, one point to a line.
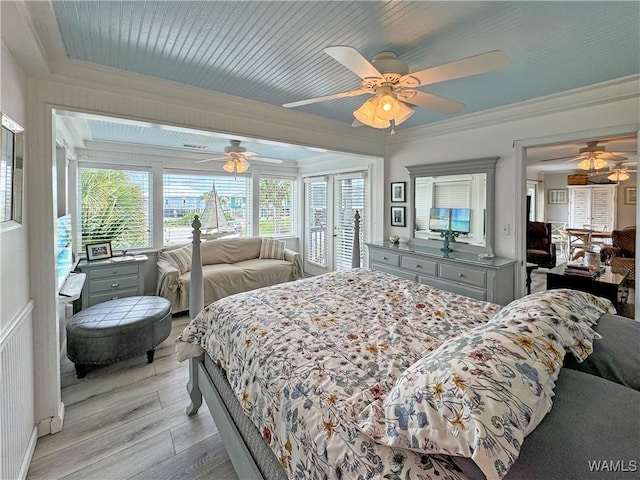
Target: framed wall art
[630, 195]
[398, 217]
[398, 192]
[558, 195]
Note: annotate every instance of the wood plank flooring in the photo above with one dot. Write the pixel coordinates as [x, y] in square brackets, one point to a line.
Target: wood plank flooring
[128, 421]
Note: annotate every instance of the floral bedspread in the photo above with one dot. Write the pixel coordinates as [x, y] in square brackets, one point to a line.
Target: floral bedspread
[296, 353]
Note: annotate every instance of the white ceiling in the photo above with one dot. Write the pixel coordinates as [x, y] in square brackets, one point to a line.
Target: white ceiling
[272, 52]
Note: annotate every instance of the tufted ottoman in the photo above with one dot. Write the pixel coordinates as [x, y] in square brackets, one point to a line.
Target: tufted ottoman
[117, 329]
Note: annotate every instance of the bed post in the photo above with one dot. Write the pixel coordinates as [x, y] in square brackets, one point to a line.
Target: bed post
[355, 251]
[196, 288]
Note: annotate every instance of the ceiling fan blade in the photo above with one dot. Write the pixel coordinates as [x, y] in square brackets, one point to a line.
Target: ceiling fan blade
[353, 60]
[568, 158]
[210, 159]
[485, 62]
[266, 160]
[351, 93]
[433, 102]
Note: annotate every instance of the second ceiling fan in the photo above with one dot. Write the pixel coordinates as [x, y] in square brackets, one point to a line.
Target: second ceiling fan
[237, 157]
[394, 88]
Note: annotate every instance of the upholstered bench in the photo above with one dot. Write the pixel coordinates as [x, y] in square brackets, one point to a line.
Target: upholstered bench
[117, 329]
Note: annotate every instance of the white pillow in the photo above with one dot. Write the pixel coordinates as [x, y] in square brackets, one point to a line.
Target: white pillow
[272, 248]
[180, 257]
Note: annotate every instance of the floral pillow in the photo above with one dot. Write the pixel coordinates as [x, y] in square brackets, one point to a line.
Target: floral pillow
[570, 313]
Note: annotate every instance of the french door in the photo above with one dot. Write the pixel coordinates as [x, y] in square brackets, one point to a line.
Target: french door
[330, 205]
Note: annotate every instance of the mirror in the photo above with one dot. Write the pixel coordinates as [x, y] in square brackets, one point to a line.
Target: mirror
[456, 196]
[11, 173]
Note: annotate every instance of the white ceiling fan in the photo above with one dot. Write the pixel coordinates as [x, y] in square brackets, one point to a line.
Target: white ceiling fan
[616, 174]
[394, 88]
[237, 156]
[593, 157]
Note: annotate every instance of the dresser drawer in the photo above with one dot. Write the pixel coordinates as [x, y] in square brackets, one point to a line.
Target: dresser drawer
[103, 297]
[385, 257]
[394, 271]
[470, 276]
[420, 265]
[476, 293]
[115, 271]
[108, 284]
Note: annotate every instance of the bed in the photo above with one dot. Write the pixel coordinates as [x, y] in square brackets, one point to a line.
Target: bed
[361, 374]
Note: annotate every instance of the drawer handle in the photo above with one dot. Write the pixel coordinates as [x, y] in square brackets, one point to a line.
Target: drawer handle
[385, 258]
[115, 272]
[460, 275]
[114, 285]
[418, 266]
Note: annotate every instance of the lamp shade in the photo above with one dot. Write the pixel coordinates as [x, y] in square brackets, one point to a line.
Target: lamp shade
[592, 163]
[388, 107]
[367, 114]
[236, 165]
[618, 176]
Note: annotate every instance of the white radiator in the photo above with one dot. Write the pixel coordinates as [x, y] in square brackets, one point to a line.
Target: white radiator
[18, 434]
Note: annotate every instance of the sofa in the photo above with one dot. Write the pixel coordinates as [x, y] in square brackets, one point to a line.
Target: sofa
[540, 247]
[229, 266]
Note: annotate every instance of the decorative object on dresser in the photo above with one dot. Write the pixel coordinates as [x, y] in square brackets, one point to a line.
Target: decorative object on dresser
[398, 191]
[110, 279]
[116, 330]
[98, 251]
[489, 279]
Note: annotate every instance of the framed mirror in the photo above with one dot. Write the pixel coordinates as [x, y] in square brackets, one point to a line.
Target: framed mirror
[456, 196]
[11, 173]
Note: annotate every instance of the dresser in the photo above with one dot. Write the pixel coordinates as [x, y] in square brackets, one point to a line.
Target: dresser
[492, 279]
[112, 278]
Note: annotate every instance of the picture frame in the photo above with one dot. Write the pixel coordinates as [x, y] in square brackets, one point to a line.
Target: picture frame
[398, 215]
[99, 251]
[557, 196]
[630, 195]
[398, 190]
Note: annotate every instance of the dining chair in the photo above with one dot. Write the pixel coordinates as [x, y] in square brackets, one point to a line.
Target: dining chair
[579, 242]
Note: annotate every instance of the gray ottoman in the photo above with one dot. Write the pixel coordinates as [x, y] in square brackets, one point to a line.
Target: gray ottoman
[117, 329]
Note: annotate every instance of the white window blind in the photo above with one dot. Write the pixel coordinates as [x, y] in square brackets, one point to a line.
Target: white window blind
[277, 207]
[187, 195]
[315, 235]
[115, 207]
[451, 194]
[351, 196]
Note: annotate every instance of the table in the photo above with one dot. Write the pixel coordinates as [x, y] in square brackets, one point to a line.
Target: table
[605, 285]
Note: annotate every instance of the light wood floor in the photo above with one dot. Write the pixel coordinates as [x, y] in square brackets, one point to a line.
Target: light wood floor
[128, 421]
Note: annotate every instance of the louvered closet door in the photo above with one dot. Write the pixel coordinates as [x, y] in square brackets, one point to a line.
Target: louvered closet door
[579, 207]
[602, 207]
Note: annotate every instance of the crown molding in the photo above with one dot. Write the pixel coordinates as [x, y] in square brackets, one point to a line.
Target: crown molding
[606, 92]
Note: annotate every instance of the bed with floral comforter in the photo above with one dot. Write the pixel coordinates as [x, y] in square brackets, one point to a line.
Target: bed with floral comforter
[316, 363]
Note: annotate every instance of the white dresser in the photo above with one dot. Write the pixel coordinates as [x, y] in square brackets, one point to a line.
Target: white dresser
[109, 279]
[491, 279]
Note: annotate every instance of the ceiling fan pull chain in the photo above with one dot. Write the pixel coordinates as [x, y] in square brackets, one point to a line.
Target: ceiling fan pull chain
[393, 126]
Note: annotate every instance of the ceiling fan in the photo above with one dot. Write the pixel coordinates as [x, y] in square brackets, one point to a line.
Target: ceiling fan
[593, 157]
[616, 174]
[394, 88]
[237, 157]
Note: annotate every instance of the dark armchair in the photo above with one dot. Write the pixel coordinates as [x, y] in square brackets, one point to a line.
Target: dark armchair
[540, 248]
[622, 252]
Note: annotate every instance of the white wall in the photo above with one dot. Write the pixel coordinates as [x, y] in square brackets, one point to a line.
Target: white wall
[17, 390]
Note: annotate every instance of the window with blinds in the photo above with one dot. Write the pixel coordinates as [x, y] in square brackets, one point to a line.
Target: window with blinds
[351, 196]
[451, 194]
[115, 207]
[187, 195]
[315, 235]
[277, 207]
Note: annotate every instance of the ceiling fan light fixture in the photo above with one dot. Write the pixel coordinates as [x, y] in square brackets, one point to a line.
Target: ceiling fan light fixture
[388, 107]
[366, 114]
[592, 163]
[236, 165]
[404, 113]
[618, 176]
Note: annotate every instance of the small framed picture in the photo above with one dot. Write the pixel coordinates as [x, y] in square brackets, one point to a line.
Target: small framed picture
[397, 217]
[398, 191]
[630, 195]
[558, 195]
[98, 251]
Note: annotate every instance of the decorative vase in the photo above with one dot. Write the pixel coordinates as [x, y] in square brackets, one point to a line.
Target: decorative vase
[394, 239]
[592, 260]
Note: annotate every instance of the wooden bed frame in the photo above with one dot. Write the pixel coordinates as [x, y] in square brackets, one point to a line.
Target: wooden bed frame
[201, 384]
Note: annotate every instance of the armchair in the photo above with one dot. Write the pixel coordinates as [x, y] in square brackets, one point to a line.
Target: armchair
[622, 253]
[540, 248]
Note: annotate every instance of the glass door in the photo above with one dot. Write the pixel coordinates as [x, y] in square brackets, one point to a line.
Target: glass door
[317, 218]
[350, 196]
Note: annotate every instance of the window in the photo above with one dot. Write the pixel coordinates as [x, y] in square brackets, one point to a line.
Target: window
[115, 207]
[277, 213]
[351, 196]
[187, 195]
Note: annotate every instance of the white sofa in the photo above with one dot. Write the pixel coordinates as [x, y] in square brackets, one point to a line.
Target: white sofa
[229, 266]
